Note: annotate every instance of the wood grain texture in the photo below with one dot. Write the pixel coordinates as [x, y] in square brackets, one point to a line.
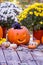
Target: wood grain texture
[3, 63]
[11, 57]
[21, 56]
[2, 59]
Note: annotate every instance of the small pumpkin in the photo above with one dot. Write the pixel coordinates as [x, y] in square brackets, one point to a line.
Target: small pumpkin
[19, 36]
[1, 32]
[33, 44]
[42, 40]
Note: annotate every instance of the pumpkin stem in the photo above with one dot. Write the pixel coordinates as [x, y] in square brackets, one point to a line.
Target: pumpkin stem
[16, 25]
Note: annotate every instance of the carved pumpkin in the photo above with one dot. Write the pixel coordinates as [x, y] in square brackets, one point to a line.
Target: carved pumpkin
[19, 36]
[1, 32]
[42, 40]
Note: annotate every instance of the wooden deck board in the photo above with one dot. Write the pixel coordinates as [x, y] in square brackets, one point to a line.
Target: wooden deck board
[3, 63]
[25, 56]
[40, 46]
[2, 59]
[30, 62]
[40, 62]
[11, 57]
[21, 56]
[38, 57]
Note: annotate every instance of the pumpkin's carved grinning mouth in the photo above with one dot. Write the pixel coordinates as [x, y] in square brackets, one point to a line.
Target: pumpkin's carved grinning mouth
[21, 41]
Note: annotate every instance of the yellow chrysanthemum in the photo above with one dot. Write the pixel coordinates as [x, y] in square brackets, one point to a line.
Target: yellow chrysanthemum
[41, 22]
[31, 13]
[37, 4]
[32, 6]
[35, 13]
[36, 8]
[1, 42]
[4, 39]
[20, 19]
[41, 14]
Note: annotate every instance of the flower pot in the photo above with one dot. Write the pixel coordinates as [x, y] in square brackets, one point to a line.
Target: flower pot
[4, 32]
[38, 34]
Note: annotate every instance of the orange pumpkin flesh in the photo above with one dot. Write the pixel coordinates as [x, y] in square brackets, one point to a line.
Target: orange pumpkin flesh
[19, 36]
[1, 32]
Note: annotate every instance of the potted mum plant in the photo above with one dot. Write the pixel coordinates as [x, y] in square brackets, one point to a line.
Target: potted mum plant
[8, 13]
[32, 18]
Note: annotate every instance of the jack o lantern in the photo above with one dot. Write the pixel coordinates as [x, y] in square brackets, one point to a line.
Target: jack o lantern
[1, 32]
[19, 36]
